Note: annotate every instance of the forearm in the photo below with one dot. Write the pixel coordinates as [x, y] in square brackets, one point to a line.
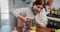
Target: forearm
[40, 24]
[37, 23]
[21, 17]
[20, 22]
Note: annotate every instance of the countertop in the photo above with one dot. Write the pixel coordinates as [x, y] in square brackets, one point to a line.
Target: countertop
[53, 18]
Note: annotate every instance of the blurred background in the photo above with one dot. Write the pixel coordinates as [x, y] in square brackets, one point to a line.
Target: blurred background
[7, 20]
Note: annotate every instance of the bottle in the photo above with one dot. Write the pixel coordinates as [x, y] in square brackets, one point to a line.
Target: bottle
[33, 26]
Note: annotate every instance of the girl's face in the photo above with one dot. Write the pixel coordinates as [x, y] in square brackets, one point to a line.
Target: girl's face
[37, 8]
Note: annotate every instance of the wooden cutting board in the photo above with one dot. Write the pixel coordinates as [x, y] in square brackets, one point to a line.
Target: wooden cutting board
[43, 29]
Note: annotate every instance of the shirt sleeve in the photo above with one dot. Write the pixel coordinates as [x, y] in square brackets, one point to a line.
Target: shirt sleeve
[43, 18]
[19, 12]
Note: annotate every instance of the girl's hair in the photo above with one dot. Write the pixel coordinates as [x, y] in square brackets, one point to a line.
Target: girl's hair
[39, 2]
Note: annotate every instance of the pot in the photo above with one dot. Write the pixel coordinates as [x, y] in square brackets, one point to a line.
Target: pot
[57, 12]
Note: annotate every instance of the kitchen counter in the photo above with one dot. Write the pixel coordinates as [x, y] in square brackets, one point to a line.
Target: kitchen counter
[53, 22]
[53, 18]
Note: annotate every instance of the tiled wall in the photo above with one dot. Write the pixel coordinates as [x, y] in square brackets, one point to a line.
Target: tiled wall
[4, 10]
[19, 4]
[5, 16]
[56, 3]
[0, 15]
